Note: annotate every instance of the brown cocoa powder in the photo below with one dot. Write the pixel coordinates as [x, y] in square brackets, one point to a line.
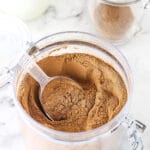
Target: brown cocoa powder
[113, 21]
[75, 110]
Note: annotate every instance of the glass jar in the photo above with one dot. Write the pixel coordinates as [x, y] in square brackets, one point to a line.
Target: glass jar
[117, 20]
[113, 134]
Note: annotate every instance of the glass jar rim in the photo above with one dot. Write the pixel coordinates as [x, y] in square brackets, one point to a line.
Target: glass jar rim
[77, 136]
[120, 3]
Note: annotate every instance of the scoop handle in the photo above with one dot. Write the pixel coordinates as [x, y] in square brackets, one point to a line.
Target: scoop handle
[27, 63]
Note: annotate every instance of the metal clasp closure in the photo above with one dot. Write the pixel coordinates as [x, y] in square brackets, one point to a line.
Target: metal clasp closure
[135, 130]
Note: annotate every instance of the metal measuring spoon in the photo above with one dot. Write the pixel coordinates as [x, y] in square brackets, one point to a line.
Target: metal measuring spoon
[39, 75]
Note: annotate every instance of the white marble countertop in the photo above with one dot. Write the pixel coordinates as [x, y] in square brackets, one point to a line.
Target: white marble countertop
[76, 17]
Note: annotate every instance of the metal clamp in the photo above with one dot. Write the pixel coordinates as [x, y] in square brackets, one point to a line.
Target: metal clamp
[135, 130]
